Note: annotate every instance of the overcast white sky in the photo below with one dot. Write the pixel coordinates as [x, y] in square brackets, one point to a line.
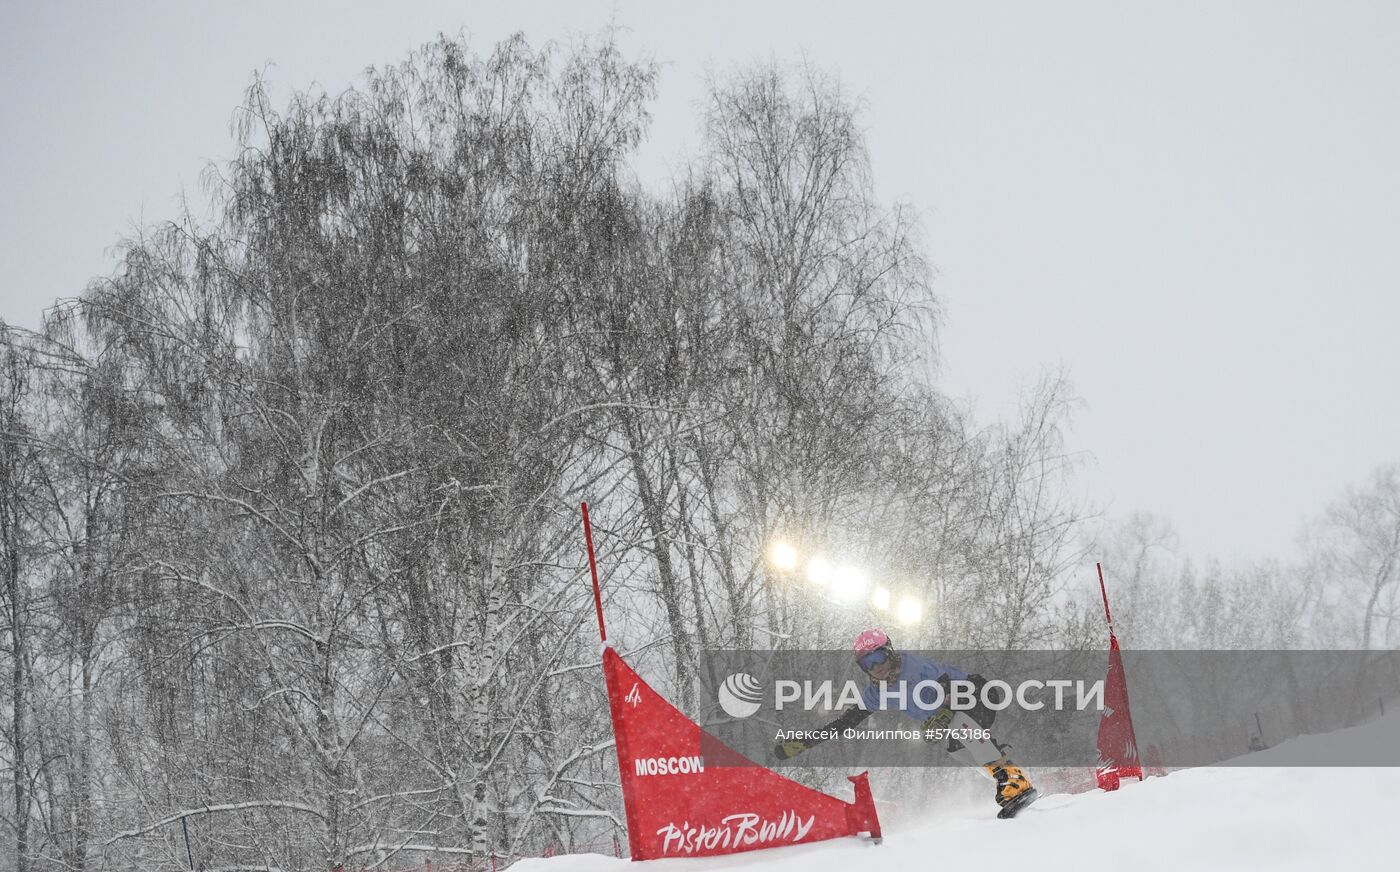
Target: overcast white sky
[1192, 206]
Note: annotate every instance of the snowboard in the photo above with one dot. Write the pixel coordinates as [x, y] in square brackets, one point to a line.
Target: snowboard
[1012, 808]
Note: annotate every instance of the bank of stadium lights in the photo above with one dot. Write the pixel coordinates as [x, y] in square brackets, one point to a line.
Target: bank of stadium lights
[844, 584]
[909, 612]
[848, 583]
[783, 556]
[819, 572]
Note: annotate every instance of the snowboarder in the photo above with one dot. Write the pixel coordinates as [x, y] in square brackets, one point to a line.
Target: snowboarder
[885, 666]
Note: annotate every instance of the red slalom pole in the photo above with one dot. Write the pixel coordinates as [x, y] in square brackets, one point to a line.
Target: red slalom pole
[1102, 590]
[593, 568]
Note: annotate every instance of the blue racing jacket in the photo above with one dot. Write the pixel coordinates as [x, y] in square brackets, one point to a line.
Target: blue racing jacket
[913, 669]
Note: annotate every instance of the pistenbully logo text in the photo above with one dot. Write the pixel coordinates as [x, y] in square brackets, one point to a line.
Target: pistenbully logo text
[740, 695]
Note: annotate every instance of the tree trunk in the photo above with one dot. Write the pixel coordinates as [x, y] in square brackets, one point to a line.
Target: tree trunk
[18, 701]
[739, 608]
[666, 571]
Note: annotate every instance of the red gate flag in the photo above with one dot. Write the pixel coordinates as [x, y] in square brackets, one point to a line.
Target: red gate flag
[1118, 753]
[688, 794]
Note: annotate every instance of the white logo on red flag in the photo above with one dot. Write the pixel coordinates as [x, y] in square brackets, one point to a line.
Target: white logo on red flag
[735, 831]
[669, 765]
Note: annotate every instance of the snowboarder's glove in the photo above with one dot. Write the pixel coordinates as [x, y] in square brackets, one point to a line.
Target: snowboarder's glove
[939, 719]
[787, 750]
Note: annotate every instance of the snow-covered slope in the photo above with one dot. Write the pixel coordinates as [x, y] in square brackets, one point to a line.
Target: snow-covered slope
[1253, 817]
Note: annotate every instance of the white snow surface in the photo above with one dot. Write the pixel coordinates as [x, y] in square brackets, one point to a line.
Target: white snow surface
[1221, 817]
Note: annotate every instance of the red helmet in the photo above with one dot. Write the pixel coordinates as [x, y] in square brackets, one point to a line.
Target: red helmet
[871, 640]
[873, 648]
